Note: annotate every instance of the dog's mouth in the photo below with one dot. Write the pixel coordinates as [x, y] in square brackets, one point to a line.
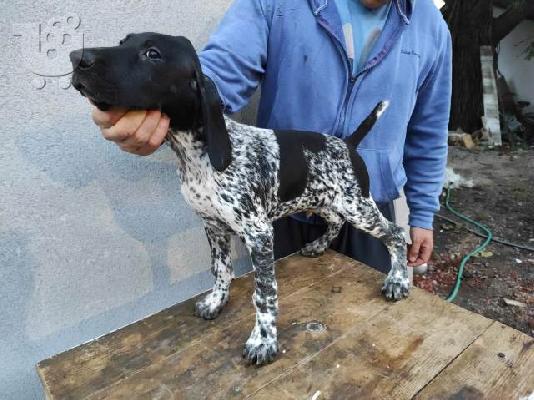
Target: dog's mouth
[93, 96]
[101, 105]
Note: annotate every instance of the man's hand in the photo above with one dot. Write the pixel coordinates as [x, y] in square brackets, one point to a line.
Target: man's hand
[421, 248]
[137, 132]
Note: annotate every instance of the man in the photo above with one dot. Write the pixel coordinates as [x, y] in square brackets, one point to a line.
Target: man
[322, 66]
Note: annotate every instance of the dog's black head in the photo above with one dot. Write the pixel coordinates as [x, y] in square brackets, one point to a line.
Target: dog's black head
[151, 71]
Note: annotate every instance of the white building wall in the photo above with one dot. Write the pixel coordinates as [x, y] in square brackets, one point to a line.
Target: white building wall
[91, 238]
[518, 71]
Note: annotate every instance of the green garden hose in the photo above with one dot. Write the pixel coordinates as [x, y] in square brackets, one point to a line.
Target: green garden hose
[487, 234]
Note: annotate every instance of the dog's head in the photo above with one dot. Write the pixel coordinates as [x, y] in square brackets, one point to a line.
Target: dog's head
[151, 71]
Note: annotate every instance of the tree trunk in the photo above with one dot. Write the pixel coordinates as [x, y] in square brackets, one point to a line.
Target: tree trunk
[470, 23]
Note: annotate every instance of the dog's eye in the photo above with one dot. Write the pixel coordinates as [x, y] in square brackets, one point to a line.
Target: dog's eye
[153, 54]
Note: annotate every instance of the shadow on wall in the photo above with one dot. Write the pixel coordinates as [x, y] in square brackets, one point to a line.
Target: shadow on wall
[17, 268]
[143, 194]
[19, 353]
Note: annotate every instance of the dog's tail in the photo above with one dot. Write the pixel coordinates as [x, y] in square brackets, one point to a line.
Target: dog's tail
[364, 128]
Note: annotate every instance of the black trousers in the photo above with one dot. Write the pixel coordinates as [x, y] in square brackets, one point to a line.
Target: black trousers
[290, 235]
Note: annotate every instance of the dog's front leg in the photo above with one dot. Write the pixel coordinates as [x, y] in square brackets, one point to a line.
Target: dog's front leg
[262, 346]
[221, 267]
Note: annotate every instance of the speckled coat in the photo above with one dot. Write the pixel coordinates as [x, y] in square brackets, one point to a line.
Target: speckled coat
[245, 198]
[239, 178]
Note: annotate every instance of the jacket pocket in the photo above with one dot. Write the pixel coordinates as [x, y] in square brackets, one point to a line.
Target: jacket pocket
[381, 174]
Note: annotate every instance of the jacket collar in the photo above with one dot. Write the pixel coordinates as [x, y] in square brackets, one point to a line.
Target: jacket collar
[404, 7]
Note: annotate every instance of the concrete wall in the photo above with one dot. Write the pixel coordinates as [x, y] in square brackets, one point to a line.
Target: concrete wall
[518, 71]
[91, 238]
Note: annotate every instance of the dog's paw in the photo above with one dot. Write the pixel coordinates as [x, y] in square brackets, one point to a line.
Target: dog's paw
[210, 306]
[396, 287]
[311, 251]
[260, 351]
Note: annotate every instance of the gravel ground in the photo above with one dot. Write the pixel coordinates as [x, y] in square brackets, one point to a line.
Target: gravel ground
[499, 282]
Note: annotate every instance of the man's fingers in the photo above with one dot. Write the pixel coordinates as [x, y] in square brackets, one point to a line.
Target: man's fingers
[125, 127]
[146, 129]
[137, 132]
[425, 252]
[157, 137]
[161, 130]
[413, 250]
[148, 136]
[106, 119]
[421, 249]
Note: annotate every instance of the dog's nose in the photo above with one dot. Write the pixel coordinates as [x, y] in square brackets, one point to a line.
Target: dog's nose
[82, 59]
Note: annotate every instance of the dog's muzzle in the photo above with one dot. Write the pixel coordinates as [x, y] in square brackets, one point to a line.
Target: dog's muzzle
[83, 61]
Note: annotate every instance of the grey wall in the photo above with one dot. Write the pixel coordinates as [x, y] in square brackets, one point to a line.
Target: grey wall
[91, 238]
[518, 71]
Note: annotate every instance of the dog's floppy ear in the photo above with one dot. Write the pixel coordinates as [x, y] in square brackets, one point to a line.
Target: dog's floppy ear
[128, 36]
[214, 127]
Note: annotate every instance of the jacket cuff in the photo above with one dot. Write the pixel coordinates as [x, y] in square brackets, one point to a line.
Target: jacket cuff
[421, 219]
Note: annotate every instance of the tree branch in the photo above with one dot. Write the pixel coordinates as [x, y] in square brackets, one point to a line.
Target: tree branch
[508, 3]
[507, 21]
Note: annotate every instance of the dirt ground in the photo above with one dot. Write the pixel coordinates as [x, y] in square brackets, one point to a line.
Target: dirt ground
[503, 199]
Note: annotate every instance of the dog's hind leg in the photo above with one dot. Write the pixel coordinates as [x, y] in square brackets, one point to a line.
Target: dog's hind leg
[363, 214]
[319, 245]
[219, 239]
[262, 346]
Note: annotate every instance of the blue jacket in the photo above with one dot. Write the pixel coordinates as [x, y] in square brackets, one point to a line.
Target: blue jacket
[295, 49]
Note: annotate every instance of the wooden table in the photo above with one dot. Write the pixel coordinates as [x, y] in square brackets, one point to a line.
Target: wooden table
[422, 347]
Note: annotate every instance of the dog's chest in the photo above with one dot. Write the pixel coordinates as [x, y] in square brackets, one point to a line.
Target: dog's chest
[197, 189]
[195, 172]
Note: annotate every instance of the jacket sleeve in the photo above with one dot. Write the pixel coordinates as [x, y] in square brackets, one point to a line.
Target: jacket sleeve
[236, 54]
[425, 150]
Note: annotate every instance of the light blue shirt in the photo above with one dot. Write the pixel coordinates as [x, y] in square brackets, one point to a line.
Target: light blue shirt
[361, 27]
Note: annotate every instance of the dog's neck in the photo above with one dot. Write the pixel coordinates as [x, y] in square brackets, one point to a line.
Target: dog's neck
[183, 141]
[190, 150]
[186, 143]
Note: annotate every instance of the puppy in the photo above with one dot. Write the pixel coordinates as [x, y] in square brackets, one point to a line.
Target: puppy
[240, 178]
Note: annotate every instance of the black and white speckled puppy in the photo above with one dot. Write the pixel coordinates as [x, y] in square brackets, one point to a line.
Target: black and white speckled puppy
[240, 178]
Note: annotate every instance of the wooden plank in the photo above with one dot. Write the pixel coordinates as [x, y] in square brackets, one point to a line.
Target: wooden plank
[369, 349]
[498, 365]
[490, 119]
[338, 302]
[392, 356]
[91, 367]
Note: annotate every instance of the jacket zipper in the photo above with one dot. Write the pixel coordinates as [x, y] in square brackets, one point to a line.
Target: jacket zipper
[342, 116]
[352, 81]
